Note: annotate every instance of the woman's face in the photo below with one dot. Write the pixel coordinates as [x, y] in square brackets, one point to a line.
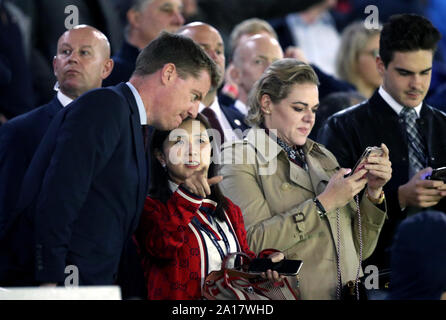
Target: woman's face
[294, 116]
[186, 150]
[366, 65]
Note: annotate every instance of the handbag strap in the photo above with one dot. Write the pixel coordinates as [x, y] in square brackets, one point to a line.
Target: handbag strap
[338, 251]
[225, 262]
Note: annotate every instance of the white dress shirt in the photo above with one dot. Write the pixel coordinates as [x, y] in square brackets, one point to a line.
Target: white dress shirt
[224, 123]
[394, 104]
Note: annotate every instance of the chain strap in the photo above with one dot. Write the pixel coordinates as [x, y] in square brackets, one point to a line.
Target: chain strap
[360, 246]
[338, 251]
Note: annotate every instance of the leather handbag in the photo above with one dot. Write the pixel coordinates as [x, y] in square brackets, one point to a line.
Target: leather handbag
[237, 284]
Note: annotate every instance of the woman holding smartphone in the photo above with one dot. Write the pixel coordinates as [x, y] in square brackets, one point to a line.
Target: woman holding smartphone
[291, 190]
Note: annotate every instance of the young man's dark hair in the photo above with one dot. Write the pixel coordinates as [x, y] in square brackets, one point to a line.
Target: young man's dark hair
[407, 32]
[188, 58]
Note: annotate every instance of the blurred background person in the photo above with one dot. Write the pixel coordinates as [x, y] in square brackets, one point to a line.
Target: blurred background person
[356, 58]
[16, 89]
[331, 104]
[314, 31]
[418, 258]
[225, 120]
[239, 34]
[251, 57]
[145, 20]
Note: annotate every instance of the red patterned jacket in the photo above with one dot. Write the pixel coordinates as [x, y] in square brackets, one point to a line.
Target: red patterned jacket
[172, 249]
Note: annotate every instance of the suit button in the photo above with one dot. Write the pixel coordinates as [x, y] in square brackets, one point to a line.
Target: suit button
[404, 158]
[285, 186]
[432, 158]
[401, 120]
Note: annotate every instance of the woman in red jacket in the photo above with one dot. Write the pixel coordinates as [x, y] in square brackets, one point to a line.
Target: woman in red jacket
[187, 226]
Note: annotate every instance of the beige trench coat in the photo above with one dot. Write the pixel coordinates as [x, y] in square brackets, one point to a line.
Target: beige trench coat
[276, 198]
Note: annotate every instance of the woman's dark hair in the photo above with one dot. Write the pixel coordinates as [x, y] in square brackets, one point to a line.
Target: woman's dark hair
[159, 178]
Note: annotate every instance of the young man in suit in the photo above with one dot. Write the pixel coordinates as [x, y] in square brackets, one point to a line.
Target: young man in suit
[145, 20]
[396, 115]
[81, 63]
[85, 188]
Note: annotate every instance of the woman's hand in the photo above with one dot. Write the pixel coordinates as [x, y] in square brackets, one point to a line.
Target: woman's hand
[340, 190]
[270, 274]
[199, 184]
[380, 172]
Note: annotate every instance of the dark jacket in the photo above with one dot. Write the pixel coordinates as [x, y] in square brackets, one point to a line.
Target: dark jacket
[19, 139]
[349, 132]
[124, 65]
[82, 194]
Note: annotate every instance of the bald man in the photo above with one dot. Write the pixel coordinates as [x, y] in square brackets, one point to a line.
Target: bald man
[251, 58]
[81, 63]
[227, 121]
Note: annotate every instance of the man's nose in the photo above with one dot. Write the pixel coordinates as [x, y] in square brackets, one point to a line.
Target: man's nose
[193, 111]
[178, 19]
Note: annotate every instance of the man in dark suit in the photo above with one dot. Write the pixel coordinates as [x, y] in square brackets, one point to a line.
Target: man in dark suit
[84, 190]
[50, 19]
[396, 115]
[81, 63]
[228, 122]
[145, 20]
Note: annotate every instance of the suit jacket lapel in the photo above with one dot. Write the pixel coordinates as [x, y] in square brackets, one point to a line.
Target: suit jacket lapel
[138, 143]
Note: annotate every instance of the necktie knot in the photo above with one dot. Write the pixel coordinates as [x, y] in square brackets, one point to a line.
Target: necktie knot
[409, 113]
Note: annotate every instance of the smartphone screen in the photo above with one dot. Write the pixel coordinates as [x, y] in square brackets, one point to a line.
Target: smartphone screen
[284, 267]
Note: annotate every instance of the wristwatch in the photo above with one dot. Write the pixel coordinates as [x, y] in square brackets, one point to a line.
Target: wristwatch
[378, 200]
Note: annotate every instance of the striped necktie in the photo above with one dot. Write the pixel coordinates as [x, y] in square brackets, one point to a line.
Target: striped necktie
[416, 146]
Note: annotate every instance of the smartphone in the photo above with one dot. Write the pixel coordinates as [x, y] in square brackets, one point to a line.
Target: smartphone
[284, 267]
[438, 174]
[376, 151]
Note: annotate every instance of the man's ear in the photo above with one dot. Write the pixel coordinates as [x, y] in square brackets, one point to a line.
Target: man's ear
[168, 73]
[234, 74]
[54, 65]
[265, 104]
[380, 66]
[133, 17]
[107, 69]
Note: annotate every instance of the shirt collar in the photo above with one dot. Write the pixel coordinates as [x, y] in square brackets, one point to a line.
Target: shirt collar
[172, 186]
[63, 99]
[394, 104]
[215, 106]
[139, 103]
[240, 106]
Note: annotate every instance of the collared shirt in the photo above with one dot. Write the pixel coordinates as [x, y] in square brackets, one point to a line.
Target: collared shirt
[224, 123]
[139, 103]
[63, 99]
[394, 104]
[240, 106]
